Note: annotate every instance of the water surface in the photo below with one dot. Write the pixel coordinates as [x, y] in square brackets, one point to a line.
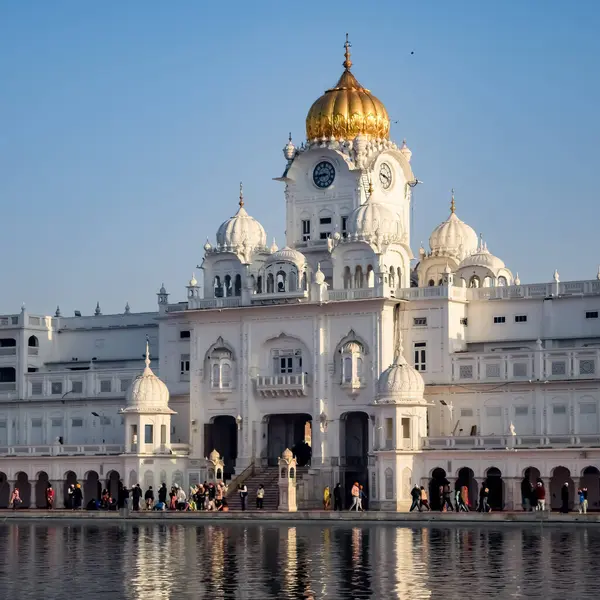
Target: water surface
[214, 561]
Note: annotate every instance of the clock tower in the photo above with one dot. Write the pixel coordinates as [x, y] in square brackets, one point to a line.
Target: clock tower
[347, 150]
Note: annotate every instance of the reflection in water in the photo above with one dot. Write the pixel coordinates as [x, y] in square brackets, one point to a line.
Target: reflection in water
[216, 561]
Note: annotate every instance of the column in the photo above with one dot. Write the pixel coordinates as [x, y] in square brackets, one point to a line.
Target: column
[59, 493]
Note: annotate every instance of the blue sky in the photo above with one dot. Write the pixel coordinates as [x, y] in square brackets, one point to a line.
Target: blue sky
[125, 128]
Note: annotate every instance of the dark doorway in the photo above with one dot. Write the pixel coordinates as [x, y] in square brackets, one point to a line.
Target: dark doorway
[438, 479]
[495, 486]
[222, 435]
[289, 431]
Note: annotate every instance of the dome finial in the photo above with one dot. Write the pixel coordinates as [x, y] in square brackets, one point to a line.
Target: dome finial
[347, 63]
[370, 187]
[147, 361]
[241, 195]
[452, 203]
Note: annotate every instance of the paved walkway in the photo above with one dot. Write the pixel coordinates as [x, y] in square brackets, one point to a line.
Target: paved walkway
[309, 516]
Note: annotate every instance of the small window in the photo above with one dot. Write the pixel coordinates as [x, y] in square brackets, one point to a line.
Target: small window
[464, 321]
[185, 335]
[466, 412]
[520, 370]
[148, 434]
[499, 319]
[36, 388]
[56, 387]
[521, 411]
[184, 364]
[305, 230]
[493, 411]
[325, 221]
[559, 409]
[56, 422]
[420, 353]
[587, 409]
[76, 422]
[105, 386]
[344, 227]
[324, 235]
[36, 422]
[591, 314]
[420, 322]
[520, 318]
[125, 383]
[77, 387]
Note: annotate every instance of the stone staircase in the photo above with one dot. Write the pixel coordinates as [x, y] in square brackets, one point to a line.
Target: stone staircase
[269, 477]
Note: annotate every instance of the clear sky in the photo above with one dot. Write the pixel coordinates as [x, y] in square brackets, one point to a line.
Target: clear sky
[125, 128]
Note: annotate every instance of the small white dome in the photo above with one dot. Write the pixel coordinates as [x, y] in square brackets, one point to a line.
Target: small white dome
[482, 258]
[287, 254]
[374, 218]
[147, 393]
[241, 230]
[453, 237]
[400, 382]
[193, 281]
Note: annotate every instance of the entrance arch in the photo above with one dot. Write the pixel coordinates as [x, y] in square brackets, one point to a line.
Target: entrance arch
[113, 484]
[24, 489]
[41, 485]
[560, 476]
[590, 479]
[70, 479]
[4, 491]
[493, 481]
[465, 476]
[221, 435]
[289, 431]
[92, 489]
[354, 450]
[438, 478]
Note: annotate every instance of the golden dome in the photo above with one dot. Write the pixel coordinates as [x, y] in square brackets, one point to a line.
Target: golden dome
[347, 110]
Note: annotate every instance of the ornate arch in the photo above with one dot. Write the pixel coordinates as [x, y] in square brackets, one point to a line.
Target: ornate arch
[220, 343]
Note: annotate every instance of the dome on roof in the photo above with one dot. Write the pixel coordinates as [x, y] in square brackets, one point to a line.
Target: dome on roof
[147, 392]
[482, 258]
[453, 237]
[400, 382]
[241, 230]
[347, 110]
[374, 218]
[287, 254]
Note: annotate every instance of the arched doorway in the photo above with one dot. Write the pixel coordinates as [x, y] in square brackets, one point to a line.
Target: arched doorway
[354, 451]
[289, 431]
[41, 485]
[528, 495]
[495, 485]
[113, 484]
[4, 491]
[221, 435]
[590, 479]
[438, 479]
[24, 489]
[560, 476]
[92, 489]
[467, 477]
[70, 479]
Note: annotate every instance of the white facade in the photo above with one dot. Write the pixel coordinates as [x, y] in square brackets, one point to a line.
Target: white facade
[323, 341]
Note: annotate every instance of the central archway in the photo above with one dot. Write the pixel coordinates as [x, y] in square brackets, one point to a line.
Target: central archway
[70, 479]
[291, 431]
[495, 485]
[466, 477]
[92, 488]
[438, 480]
[590, 480]
[24, 489]
[113, 484]
[354, 451]
[41, 485]
[221, 434]
[560, 476]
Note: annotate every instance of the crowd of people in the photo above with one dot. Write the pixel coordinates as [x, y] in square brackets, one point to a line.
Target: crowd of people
[461, 503]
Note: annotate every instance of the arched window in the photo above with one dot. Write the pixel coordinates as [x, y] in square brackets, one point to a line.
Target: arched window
[253, 284]
[441, 282]
[389, 484]
[347, 278]
[463, 282]
[221, 368]
[238, 285]
[399, 273]
[33, 342]
[370, 276]
[358, 277]
[270, 283]
[281, 281]
[502, 281]
[228, 288]
[293, 281]
[304, 281]
[352, 365]
[218, 287]
[431, 283]
[474, 282]
[392, 278]
[259, 285]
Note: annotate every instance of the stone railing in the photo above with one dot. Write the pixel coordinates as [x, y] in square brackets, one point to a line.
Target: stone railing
[352, 294]
[62, 450]
[510, 442]
[282, 385]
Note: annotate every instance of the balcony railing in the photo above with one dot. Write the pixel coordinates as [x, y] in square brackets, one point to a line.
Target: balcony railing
[282, 385]
[510, 442]
[8, 386]
[353, 294]
[8, 351]
[62, 450]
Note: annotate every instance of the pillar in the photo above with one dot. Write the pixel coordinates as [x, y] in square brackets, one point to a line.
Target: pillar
[59, 493]
[287, 482]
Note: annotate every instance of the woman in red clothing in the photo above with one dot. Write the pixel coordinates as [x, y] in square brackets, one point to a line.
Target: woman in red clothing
[49, 497]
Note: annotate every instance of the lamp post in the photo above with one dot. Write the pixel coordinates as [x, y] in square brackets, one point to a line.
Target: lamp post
[102, 419]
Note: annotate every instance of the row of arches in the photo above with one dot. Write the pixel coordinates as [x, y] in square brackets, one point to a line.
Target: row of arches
[475, 282]
[360, 278]
[493, 480]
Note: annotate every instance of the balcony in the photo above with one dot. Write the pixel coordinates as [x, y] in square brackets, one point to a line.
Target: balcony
[198, 303]
[509, 442]
[539, 365]
[8, 351]
[351, 294]
[58, 450]
[271, 386]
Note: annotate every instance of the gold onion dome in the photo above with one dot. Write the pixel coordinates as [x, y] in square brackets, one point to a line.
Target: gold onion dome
[347, 110]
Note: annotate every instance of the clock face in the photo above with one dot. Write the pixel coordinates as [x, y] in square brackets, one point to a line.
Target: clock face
[324, 174]
[385, 176]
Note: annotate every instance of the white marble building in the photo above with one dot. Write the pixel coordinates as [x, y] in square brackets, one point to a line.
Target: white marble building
[395, 369]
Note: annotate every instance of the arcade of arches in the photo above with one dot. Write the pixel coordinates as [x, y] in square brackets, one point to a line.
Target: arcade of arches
[505, 492]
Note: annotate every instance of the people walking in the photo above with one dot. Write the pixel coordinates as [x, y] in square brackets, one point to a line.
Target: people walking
[464, 494]
[355, 493]
[15, 499]
[582, 502]
[446, 502]
[461, 505]
[326, 498]
[540, 494]
[424, 499]
[243, 491]
[49, 497]
[162, 493]
[415, 494]
[337, 497]
[362, 498]
[526, 491]
[260, 496]
[585, 499]
[483, 500]
[77, 497]
[136, 494]
[149, 498]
